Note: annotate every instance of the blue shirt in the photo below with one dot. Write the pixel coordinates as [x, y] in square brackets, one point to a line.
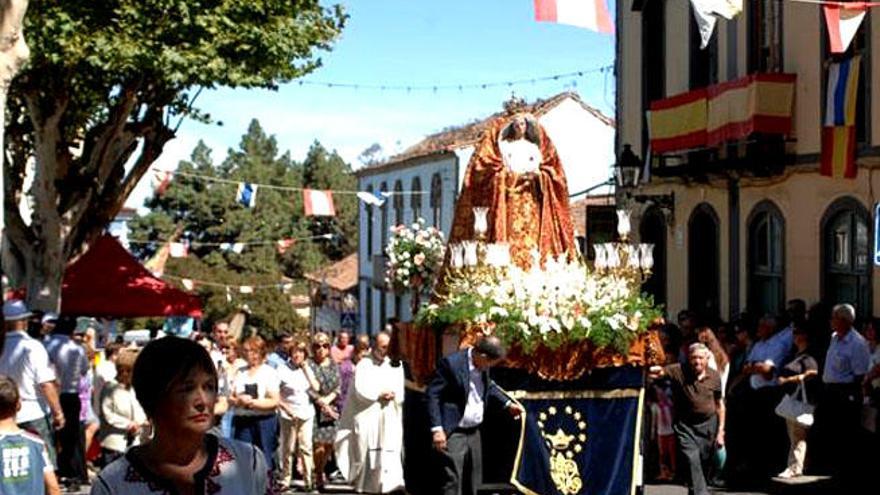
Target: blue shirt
[24, 460]
[276, 359]
[773, 350]
[847, 358]
[70, 361]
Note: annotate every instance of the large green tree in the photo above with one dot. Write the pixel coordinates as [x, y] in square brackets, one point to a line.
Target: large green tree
[204, 212]
[105, 89]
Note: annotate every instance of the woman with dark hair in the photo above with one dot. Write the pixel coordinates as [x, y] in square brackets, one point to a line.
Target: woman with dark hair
[176, 384]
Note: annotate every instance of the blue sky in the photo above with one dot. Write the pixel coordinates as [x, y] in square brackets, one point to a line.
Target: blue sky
[408, 42]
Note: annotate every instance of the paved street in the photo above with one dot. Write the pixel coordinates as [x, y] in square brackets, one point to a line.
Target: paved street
[808, 486]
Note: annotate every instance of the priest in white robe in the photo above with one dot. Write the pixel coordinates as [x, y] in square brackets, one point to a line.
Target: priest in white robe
[369, 442]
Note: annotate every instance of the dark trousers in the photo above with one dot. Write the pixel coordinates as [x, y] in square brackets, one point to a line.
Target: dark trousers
[697, 444]
[462, 462]
[71, 440]
[261, 431]
[43, 428]
[836, 437]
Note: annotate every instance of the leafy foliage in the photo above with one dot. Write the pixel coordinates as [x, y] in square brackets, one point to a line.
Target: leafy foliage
[106, 87]
[204, 211]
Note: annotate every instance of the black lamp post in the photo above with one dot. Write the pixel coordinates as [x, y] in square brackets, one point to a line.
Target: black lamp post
[628, 172]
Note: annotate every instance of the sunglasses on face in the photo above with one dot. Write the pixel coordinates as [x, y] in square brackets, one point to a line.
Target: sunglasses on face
[321, 346]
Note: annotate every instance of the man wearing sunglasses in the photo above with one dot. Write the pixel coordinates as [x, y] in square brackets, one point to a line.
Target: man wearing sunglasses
[457, 399]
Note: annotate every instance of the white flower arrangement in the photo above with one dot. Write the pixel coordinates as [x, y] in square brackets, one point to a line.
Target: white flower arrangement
[561, 303]
[415, 255]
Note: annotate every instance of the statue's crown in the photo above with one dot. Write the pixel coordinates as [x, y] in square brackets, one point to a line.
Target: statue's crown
[515, 105]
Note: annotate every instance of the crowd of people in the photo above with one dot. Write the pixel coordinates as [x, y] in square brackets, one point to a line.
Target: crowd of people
[741, 402]
[735, 402]
[207, 414]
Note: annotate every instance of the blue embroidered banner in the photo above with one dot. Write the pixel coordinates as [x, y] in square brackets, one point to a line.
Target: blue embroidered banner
[577, 442]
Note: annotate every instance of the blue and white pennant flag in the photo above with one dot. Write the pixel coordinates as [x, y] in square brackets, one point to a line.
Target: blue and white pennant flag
[246, 194]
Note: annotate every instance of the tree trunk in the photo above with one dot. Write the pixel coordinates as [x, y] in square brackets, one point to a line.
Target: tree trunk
[13, 53]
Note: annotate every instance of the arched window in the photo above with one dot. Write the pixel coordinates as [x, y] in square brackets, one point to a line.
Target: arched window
[704, 258]
[653, 230]
[369, 215]
[846, 260]
[416, 198]
[398, 203]
[436, 199]
[384, 235]
[766, 259]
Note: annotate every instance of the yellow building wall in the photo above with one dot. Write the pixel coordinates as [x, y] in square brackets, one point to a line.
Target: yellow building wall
[677, 43]
[802, 195]
[629, 98]
[801, 45]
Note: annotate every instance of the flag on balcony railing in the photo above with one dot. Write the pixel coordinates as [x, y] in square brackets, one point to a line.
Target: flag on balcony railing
[588, 14]
[761, 103]
[842, 92]
[839, 152]
[843, 23]
[678, 122]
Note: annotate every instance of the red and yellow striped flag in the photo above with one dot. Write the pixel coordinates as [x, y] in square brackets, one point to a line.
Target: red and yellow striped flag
[839, 152]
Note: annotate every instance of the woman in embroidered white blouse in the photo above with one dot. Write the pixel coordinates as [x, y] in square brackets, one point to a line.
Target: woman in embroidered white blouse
[176, 383]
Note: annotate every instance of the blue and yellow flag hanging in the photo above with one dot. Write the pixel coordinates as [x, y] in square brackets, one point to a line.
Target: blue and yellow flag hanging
[841, 95]
[576, 442]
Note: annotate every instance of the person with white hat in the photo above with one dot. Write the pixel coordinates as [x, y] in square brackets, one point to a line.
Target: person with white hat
[26, 362]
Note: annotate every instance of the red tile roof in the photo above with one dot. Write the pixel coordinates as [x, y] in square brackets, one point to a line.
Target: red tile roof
[341, 276]
[456, 137]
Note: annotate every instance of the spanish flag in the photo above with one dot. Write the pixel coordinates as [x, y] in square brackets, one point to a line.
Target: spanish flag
[839, 152]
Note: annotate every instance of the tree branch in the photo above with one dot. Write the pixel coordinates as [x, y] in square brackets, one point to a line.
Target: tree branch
[105, 206]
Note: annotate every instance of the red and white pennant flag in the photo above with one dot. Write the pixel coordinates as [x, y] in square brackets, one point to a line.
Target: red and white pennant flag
[843, 21]
[284, 244]
[588, 14]
[318, 203]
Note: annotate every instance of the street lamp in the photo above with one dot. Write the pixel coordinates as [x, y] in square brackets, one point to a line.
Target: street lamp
[629, 168]
[628, 173]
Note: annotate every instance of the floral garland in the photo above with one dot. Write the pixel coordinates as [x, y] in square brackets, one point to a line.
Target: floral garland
[415, 255]
[562, 303]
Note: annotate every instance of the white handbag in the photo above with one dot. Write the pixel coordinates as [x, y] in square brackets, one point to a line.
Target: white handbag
[796, 408]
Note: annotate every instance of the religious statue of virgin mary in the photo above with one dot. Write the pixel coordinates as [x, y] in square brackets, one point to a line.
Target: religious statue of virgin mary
[515, 172]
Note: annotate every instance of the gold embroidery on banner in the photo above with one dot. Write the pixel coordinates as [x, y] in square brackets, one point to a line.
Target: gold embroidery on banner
[563, 448]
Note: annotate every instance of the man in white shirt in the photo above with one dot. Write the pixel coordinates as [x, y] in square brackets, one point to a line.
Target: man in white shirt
[26, 362]
[71, 364]
[457, 398]
[839, 409]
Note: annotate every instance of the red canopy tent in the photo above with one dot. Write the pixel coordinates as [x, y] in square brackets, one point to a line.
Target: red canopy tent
[108, 281]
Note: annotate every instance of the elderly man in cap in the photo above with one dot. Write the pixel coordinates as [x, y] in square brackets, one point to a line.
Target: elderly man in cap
[25, 360]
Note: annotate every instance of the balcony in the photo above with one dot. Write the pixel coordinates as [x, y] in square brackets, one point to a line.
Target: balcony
[742, 124]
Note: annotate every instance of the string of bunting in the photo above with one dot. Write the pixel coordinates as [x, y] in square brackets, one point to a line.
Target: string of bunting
[190, 284]
[842, 19]
[455, 86]
[316, 202]
[179, 249]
